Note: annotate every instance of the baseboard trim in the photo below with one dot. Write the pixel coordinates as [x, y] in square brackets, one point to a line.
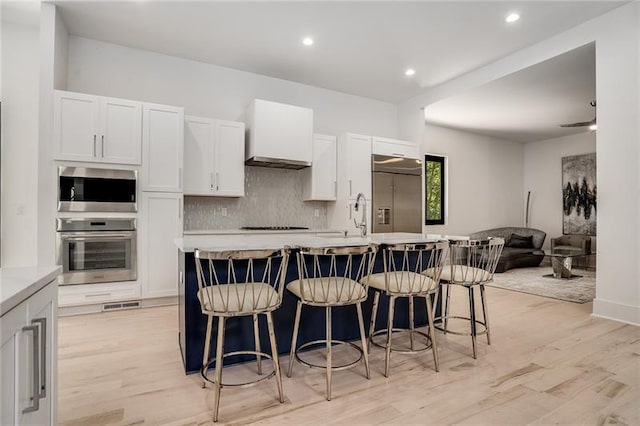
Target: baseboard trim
[616, 311]
[65, 311]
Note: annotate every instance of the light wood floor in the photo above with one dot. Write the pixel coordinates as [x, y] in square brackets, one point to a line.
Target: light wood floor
[550, 362]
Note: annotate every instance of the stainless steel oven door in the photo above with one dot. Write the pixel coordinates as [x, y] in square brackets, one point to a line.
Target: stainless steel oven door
[95, 257]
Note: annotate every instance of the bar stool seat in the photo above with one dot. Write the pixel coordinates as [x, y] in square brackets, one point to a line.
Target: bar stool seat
[240, 300]
[460, 274]
[327, 290]
[402, 282]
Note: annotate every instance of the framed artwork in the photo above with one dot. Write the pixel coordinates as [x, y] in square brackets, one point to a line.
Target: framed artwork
[579, 190]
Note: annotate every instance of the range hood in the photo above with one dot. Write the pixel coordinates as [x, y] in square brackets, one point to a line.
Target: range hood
[278, 135]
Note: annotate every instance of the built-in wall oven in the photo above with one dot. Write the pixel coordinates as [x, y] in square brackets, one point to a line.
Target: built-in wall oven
[96, 250]
[83, 189]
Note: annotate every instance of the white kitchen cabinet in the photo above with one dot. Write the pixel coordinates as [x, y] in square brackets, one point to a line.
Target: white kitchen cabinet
[160, 224]
[162, 148]
[354, 166]
[10, 363]
[121, 131]
[213, 157]
[354, 177]
[279, 131]
[28, 363]
[96, 129]
[395, 148]
[98, 293]
[319, 182]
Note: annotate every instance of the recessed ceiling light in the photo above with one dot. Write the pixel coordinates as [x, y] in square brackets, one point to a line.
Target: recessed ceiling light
[307, 41]
[513, 17]
[593, 127]
[409, 72]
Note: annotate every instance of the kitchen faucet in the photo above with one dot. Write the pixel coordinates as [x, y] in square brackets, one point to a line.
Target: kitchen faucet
[363, 221]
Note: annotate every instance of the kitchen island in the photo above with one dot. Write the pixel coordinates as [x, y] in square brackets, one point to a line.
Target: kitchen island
[239, 334]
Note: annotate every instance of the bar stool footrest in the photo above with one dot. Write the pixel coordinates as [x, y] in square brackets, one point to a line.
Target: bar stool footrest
[401, 330]
[244, 384]
[440, 326]
[324, 343]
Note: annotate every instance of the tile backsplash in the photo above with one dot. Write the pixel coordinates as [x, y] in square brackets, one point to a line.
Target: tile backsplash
[273, 197]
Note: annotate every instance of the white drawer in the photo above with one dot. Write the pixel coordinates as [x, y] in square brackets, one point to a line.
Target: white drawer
[90, 294]
[395, 148]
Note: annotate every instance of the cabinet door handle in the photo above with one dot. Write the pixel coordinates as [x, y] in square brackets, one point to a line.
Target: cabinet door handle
[350, 189]
[217, 181]
[34, 398]
[211, 180]
[94, 145]
[42, 393]
[335, 188]
[102, 145]
[97, 295]
[397, 154]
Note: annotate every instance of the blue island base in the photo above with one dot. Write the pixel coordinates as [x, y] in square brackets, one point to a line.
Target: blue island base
[239, 330]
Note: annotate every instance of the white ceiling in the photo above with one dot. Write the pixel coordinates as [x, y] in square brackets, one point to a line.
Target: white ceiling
[528, 105]
[360, 48]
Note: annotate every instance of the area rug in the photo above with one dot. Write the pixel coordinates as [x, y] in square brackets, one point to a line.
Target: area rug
[531, 280]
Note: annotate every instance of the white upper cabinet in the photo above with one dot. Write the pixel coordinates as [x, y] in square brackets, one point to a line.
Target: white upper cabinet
[279, 133]
[198, 155]
[354, 165]
[121, 135]
[96, 129]
[395, 148]
[214, 157]
[162, 148]
[319, 180]
[228, 158]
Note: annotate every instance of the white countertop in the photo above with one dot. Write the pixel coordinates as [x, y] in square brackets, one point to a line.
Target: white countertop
[260, 241]
[18, 284]
[259, 231]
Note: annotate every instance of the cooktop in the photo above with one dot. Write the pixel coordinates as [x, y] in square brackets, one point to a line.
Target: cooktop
[273, 228]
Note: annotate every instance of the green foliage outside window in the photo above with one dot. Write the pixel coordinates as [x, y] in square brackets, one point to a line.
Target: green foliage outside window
[434, 193]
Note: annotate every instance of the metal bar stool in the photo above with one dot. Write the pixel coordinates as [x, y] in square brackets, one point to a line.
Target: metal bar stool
[472, 264]
[402, 277]
[239, 283]
[328, 277]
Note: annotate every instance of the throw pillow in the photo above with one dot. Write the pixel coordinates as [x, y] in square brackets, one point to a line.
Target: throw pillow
[520, 241]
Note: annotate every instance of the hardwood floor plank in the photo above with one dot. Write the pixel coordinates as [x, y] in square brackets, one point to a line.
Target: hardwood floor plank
[550, 362]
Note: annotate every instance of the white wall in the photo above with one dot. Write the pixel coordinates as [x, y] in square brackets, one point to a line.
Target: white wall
[212, 91]
[52, 62]
[543, 177]
[484, 180]
[618, 149]
[20, 80]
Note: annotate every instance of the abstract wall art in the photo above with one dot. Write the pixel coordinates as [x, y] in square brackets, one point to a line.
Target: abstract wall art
[579, 192]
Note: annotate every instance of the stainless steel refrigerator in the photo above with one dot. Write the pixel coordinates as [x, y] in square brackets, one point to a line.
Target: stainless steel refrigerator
[397, 194]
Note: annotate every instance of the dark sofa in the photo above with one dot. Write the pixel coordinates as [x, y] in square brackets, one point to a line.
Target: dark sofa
[516, 257]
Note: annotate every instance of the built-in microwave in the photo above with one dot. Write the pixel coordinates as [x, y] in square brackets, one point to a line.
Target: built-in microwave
[83, 189]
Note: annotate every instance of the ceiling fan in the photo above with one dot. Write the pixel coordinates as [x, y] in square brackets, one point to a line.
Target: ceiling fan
[591, 124]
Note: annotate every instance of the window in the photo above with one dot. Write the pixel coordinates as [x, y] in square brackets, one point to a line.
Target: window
[434, 192]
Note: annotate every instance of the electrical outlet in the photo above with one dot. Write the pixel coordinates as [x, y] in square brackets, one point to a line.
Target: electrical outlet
[316, 213]
[224, 211]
